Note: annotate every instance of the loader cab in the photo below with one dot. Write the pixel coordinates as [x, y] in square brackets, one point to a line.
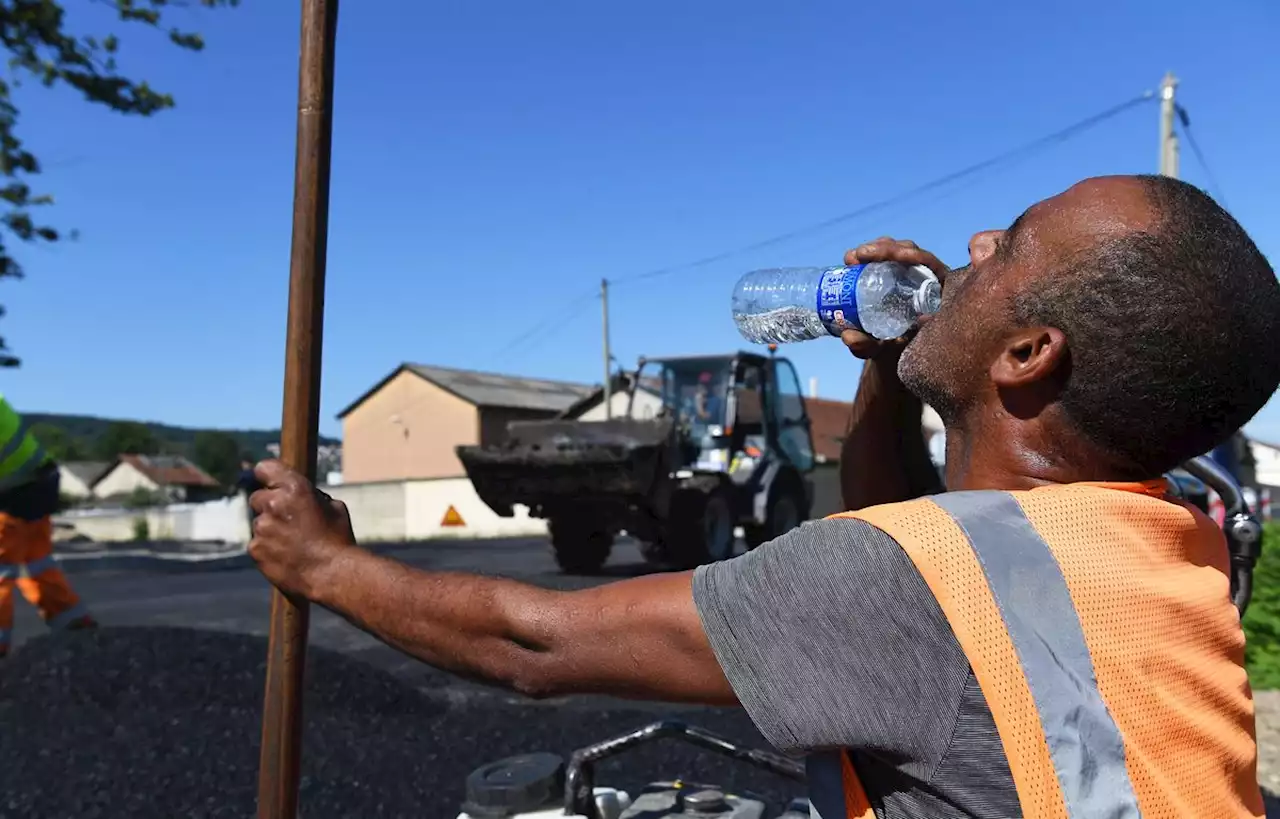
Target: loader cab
[692, 391]
[746, 403]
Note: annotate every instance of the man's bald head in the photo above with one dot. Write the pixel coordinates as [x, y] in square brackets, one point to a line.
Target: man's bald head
[1130, 311]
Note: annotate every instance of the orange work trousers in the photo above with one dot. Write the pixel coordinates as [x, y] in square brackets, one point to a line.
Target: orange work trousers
[26, 560]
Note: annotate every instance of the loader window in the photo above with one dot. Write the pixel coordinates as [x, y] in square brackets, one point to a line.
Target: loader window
[747, 398]
[792, 421]
[694, 390]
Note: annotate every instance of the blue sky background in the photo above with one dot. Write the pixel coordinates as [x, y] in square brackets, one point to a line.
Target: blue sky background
[493, 160]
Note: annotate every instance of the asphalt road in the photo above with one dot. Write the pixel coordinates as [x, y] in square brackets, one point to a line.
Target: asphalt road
[237, 601]
[157, 714]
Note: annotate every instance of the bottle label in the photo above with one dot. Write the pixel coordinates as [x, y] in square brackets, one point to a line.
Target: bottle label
[838, 300]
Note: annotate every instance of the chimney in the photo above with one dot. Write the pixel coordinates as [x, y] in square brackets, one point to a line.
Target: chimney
[813, 386]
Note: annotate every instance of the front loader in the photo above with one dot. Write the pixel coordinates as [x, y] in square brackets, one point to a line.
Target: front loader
[703, 445]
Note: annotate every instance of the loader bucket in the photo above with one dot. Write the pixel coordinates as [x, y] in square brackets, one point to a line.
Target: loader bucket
[545, 464]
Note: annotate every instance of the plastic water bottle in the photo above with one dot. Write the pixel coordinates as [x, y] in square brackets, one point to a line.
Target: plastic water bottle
[882, 299]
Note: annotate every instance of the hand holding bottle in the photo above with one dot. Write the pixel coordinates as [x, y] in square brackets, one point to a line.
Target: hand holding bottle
[886, 249]
[883, 296]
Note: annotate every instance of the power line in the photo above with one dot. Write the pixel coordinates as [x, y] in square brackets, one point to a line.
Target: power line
[1027, 148]
[1185, 121]
[552, 323]
[575, 306]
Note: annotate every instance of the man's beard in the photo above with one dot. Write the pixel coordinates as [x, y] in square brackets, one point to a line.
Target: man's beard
[924, 374]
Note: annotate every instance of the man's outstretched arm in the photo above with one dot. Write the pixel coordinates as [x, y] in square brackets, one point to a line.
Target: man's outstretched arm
[638, 638]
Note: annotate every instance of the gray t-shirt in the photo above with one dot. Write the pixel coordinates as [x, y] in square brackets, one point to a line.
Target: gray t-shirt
[833, 643]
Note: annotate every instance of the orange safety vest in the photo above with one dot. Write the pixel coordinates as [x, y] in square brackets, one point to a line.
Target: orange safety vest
[1098, 622]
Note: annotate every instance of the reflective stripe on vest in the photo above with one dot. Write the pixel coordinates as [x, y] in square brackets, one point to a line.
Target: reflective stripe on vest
[1099, 626]
[20, 453]
[1036, 607]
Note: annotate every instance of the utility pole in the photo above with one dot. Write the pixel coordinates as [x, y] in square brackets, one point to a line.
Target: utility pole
[1168, 140]
[1225, 454]
[608, 377]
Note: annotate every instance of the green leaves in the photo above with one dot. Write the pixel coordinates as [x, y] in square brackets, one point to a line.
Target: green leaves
[126, 438]
[34, 35]
[1262, 620]
[218, 454]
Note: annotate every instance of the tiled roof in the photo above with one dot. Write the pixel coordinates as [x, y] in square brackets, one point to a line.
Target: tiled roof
[830, 422]
[493, 390]
[490, 389]
[169, 470]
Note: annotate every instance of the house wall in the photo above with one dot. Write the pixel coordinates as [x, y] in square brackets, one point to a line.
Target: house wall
[426, 503]
[1266, 463]
[70, 484]
[647, 406]
[380, 512]
[122, 480]
[225, 520]
[931, 421]
[407, 429]
[827, 498]
[376, 509]
[494, 420]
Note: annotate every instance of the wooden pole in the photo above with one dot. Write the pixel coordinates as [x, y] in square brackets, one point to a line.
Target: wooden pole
[279, 764]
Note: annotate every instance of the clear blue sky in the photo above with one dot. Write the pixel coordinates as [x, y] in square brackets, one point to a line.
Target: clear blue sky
[493, 160]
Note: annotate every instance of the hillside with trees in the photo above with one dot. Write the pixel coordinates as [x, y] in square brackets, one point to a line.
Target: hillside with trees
[217, 451]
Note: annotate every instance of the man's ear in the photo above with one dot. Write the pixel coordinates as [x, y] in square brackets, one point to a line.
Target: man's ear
[1030, 356]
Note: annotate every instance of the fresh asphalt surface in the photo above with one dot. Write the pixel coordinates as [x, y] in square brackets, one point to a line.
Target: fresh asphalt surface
[157, 714]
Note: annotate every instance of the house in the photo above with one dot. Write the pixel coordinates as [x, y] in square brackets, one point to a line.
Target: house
[591, 406]
[409, 423]
[76, 478]
[171, 476]
[1265, 463]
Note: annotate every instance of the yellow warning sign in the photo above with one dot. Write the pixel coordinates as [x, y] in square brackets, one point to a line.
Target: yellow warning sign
[452, 518]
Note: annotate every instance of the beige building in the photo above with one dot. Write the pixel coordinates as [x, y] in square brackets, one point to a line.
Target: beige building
[77, 478]
[409, 423]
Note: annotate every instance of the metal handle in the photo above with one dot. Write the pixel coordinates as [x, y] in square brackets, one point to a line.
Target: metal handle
[1242, 529]
[579, 790]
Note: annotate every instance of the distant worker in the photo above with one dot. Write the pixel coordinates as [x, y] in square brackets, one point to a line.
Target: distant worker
[706, 403]
[29, 484]
[247, 483]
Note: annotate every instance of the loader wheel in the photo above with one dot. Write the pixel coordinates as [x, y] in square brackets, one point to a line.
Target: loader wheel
[786, 512]
[654, 553]
[700, 528]
[580, 547]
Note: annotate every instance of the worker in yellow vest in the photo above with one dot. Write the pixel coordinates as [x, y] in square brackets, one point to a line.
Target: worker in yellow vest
[1052, 636]
[29, 485]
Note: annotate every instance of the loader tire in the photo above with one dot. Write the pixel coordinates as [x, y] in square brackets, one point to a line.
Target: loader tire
[654, 553]
[787, 510]
[579, 547]
[699, 529]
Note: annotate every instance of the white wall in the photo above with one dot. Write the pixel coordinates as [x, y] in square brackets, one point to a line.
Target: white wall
[426, 503]
[647, 406]
[390, 511]
[121, 480]
[415, 510]
[1267, 459]
[930, 420]
[377, 509]
[225, 520]
[70, 484]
